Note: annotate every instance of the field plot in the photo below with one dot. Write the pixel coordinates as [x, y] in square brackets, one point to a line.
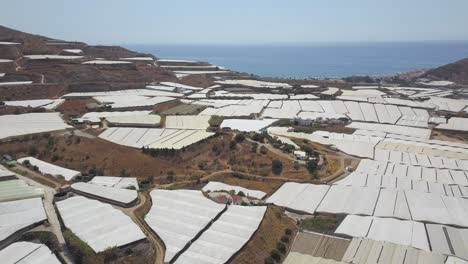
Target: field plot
[448, 240]
[48, 168]
[318, 245]
[349, 200]
[255, 83]
[247, 125]
[219, 186]
[20, 214]
[98, 224]
[17, 190]
[300, 197]
[19, 125]
[363, 251]
[184, 109]
[455, 123]
[406, 233]
[131, 121]
[132, 92]
[157, 138]
[113, 195]
[95, 117]
[232, 108]
[106, 62]
[121, 102]
[179, 216]
[116, 182]
[393, 129]
[30, 103]
[447, 104]
[52, 57]
[188, 122]
[226, 236]
[28, 252]
[254, 96]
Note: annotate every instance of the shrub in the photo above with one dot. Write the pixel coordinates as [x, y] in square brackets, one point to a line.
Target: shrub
[239, 138]
[281, 247]
[32, 151]
[232, 145]
[311, 165]
[82, 253]
[55, 157]
[288, 231]
[277, 167]
[285, 239]
[263, 150]
[269, 260]
[275, 255]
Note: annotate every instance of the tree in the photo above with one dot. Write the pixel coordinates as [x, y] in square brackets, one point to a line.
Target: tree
[311, 165]
[263, 150]
[277, 167]
[239, 138]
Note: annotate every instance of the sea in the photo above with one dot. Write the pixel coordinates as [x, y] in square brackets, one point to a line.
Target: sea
[318, 60]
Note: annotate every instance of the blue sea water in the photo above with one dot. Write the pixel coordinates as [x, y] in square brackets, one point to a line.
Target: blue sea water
[318, 60]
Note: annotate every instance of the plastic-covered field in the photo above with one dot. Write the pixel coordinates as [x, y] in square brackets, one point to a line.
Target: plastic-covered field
[246, 124]
[99, 225]
[28, 252]
[119, 195]
[16, 215]
[96, 116]
[157, 138]
[219, 186]
[116, 182]
[225, 237]
[188, 122]
[179, 216]
[24, 124]
[48, 168]
[12, 190]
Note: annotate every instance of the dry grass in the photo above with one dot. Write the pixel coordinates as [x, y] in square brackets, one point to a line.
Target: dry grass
[272, 228]
[453, 136]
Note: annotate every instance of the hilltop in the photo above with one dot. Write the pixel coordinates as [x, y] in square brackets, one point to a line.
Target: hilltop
[456, 72]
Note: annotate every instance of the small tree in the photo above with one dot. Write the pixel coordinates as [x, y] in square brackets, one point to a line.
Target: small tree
[263, 150]
[277, 167]
[275, 255]
[311, 165]
[239, 138]
[281, 247]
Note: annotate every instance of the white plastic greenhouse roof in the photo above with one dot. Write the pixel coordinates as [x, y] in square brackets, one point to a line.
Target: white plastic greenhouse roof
[362, 250]
[179, 216]
[96, 116]
[136, 120]
[188, 122]
[24, 124]
[157, 138]
[393, 129]
[300, 197]
[48, 168]
[119, 195]
[29, 103]
[20, 214]
[349, 200]
[455, 123]
[28, 252]
[99, 225]
[219, 186]
[246, 124]
[52, 57]
[225, 237]
[18, 189]
[255, 83]
[116, 182]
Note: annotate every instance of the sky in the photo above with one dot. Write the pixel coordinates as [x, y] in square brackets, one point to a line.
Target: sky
[239, 22]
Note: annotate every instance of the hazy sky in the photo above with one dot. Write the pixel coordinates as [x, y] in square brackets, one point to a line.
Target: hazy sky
[238, 21]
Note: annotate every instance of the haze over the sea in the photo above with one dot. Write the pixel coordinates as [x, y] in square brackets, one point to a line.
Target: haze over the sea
[318, 60]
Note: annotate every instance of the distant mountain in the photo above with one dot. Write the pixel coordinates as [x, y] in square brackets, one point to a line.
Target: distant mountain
[455, 72]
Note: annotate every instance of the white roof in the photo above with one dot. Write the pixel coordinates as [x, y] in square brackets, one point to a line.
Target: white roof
[76, 51]
[255, 83]
[11, 190]
[24, 124]
[455, 123]
[129, 94]
[182, 61]
[99, 225]
[123, 196]
[300, 197]
[106, 62]
[247, 124]
[225, 237]
[330, 91]
[309, 86]
[15, 83]
[116, 182]
[393, 129]
[5, 60]
[157, 138]
[178, 216]
[179, 85]
[188, 122]
[219, 186]
[28, 252]
[138, 59]
[52, 57]
[349, 200]
[48, 168]
[96, 116]
[29, 103]
[20, 214]
[152, 120]
[9, 43]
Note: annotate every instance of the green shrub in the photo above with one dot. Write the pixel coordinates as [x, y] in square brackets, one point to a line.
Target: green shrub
[285, 239]
[281, 247]
[275, 255]
[239, 138]
[288, 231]
[277, 167]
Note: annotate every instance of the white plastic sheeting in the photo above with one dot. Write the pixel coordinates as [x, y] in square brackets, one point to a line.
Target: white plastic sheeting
[16, 215]
[246, 124]
[95, 117]
[157, 138]
[219, 186]
[349, 200]
[188, 122]
[11, 190]
[127, 93]
[225, 237]
[393, 129]
[52, 57]
[179, 216]
[362, 251]
[119, 195]
[407, 233]
[455, 123]
[28, 252]
[448, 240]
[255, 83]
[48, 168]
[29, 103]
[233, 108]
[116, 182]
[24, 124]
[138, 120]
[99, 225]
[300, 197]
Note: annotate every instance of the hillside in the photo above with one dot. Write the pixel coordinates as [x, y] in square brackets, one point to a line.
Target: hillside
[455, 72]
